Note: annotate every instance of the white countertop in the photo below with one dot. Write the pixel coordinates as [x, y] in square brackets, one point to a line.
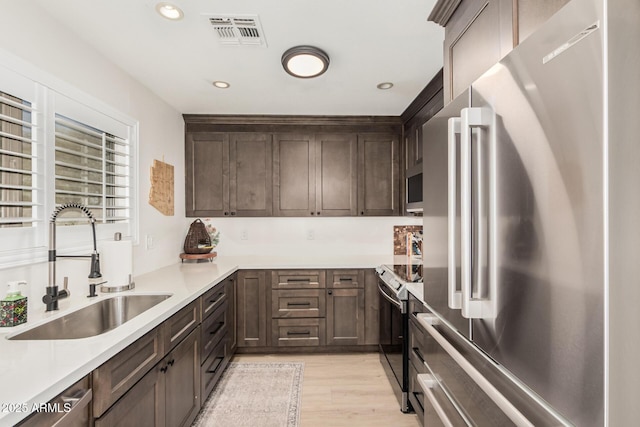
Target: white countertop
[33, 372]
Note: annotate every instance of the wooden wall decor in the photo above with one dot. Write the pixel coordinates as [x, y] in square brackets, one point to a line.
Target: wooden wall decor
[161, 192]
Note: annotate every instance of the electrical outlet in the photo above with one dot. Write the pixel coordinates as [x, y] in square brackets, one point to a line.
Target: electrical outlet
[244, 235]
[311, 234]
[148, 241]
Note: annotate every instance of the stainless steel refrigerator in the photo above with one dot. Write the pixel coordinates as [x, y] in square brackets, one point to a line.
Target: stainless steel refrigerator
[517, 169]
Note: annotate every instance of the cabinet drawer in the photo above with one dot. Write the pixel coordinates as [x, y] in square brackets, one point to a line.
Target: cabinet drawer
[298, 303]
[298, 279]
[298, 332]
[337, 279]
[212, 299]
[76, 416]
[178, 326]
[214, 329]
[112, 380]
[212, 368]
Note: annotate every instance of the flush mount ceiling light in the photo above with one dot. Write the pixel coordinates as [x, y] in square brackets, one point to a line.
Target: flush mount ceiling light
[169, 11]
[385, 85]
[305, 61]
[221, 85]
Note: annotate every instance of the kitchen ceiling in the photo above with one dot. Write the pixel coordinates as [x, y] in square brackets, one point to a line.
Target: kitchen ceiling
[368, 42]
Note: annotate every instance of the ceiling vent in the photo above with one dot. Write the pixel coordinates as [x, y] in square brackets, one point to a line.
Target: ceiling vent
[238, 30]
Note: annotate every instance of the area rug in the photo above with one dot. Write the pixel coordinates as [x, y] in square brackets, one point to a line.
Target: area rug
[255, 395]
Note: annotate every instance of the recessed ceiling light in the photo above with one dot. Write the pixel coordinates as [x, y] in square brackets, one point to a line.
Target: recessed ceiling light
[169, 11]
[305, 61]
[221, 85]
[385, 85]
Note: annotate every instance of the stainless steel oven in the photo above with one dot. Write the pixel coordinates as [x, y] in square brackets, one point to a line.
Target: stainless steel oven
[394, 325]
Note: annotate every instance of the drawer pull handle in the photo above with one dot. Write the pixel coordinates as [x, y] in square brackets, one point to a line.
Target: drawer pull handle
[219, 361]
[299, 333]
[346, 279]
[417, 352]
[298, 304]
[299, 280]
[220, 326]
[79, 400]
[217, 298]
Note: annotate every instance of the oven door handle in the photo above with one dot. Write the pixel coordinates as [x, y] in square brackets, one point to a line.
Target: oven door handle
[388, 298]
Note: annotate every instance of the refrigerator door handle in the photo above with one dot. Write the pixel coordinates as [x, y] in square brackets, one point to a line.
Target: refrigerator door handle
[473, 239]
[428, 383]
[513, 413]
[454, 295]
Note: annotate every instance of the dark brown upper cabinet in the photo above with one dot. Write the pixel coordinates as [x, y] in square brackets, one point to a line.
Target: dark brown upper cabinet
[250, 171]
[378, 175]
[228, 174]
[478, 33]
[207, 174]
[294, 177]
[315, 175]
[292, 165]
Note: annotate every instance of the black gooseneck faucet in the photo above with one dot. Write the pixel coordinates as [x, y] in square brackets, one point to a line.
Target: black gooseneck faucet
[53, 294]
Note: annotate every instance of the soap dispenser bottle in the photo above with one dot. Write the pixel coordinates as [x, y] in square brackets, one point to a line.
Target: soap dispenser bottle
[13, 308]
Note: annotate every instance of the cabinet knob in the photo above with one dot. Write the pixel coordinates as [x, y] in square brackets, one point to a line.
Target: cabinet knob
[330, 292]
[318, 213]
[361, 212]
[226, 213]
[312, 213]
[163, 369]
[171, 362]
[233, 213]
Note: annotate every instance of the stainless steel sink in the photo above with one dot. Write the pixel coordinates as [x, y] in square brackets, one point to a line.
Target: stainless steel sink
[94, 319]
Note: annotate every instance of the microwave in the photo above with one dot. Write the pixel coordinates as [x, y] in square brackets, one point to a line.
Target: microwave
[413, 189]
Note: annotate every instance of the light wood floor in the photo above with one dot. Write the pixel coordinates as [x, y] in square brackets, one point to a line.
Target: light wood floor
[349, 390]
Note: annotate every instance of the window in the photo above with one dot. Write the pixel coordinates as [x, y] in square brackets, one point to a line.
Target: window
[92, 168]
[16, 162]
[56, 149]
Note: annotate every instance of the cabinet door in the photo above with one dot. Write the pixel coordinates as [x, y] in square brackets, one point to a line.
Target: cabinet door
[345, 316]
[143, 406]
[207, 174]
[250, 171]
[294, 175]
[477, 36]
[532, 13]
[252, 308]
[412, 145]
[378, 175]
[336, 174]
[182, 384]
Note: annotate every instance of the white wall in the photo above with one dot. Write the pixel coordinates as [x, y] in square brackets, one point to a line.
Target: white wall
[291, 236]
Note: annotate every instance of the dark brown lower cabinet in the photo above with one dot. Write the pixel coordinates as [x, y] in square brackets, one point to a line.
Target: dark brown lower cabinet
[143, 405]
[251, 288]
[182, 384]
[168, 395]
[345, 316]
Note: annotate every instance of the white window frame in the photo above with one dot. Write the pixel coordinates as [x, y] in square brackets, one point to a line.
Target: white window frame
[28, 245]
